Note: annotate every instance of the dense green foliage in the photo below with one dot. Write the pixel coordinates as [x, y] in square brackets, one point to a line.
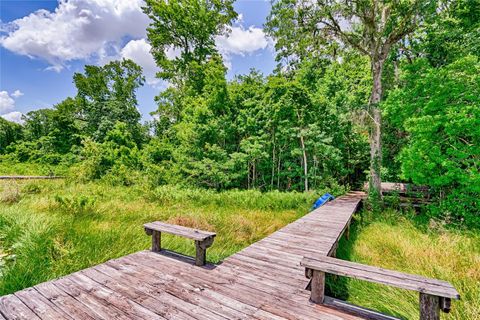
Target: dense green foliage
[441, 105]
[220, 153]
[301, 128]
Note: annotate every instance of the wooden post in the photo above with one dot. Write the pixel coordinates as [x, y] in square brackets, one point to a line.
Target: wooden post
[445, 304]
[317, 286]
[429, 307]
[347, 235]
[156, 241]
[201, 254]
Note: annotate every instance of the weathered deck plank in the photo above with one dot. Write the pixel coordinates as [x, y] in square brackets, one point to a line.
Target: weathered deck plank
[13, 308]
[262, 281]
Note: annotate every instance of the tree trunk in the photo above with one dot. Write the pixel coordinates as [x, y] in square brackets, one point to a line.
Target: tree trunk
[254, 174]
[273, 165]
[375, 131]
[305, 164]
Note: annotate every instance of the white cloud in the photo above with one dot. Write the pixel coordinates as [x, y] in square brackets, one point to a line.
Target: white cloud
[17, 93]
[243, 41]
[6, 102]
[77, 29]
[139, 52]
[95, 30]
[14, 116]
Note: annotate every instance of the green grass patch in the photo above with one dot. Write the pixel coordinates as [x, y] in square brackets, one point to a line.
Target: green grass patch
[52, 228]
[8, 167]
[410, 244]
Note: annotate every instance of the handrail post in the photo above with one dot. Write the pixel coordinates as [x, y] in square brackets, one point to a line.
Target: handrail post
[156, 241]
[318, 286]
[429, 307]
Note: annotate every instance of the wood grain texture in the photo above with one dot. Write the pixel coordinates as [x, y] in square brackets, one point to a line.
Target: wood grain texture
[383, 276]
[429, 307]
[262, 281]
[191, 233]
[13, 308]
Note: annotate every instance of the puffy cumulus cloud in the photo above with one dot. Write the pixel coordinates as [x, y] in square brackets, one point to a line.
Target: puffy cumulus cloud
[243, 41]
[17, 93]
[77, 29]
[14, 116]
[6, 102]
[139, 52]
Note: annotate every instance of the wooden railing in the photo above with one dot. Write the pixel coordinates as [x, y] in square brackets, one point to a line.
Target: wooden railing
[435, 295]
[29, 177]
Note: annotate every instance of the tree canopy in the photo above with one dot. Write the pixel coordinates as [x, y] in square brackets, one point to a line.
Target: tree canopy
[382, 88]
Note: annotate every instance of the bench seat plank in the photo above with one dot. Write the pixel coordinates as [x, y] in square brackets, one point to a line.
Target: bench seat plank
[383, 276]
[195, 234]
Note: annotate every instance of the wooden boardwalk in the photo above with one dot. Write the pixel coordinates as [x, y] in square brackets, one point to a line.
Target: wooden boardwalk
[263, 281]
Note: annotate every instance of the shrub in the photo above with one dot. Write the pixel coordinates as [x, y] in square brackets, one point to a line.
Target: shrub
[10, 196]
[31, 188]
[439, 109]
[76, 205]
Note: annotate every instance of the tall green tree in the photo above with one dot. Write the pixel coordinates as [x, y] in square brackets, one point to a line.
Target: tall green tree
[48, 134]
[10, 132]
[450, 35]
[107, 95]
[439, 111]
[186, 30]
[371, 27]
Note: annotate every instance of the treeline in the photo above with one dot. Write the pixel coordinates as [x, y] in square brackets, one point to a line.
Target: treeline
[305, 126]
[252, 132]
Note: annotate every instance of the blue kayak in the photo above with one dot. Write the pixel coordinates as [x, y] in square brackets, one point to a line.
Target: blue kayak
[322, 200]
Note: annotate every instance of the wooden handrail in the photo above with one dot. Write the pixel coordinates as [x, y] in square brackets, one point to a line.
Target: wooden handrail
[29, 177]
[435, 295]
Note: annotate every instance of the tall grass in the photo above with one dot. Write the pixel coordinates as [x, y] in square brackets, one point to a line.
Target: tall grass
[9, 167]
[52, 228]
[409, 244]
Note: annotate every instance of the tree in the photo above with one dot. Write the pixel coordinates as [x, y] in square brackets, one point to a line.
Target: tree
[106, 95]
[186, 29]
[10, 132]
[370, 27]
[49, 133]
[439, 110]
[452, 34]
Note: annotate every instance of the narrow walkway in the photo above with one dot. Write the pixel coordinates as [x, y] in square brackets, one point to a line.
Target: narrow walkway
[263, 281]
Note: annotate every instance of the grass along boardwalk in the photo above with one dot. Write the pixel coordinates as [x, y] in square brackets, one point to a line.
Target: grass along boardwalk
[263, 281]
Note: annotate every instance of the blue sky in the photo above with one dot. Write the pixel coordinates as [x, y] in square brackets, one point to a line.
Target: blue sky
[42, 43]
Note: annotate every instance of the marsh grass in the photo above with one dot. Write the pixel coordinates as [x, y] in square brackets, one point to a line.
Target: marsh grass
[58, 227]
[408, 243]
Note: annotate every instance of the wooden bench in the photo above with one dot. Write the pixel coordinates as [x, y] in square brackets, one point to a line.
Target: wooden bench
[435, 295]
[203, 239]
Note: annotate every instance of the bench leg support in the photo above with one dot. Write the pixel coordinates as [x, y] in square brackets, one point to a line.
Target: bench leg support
[429, 307]
[317, 286]
[201, 254]
[156, 241]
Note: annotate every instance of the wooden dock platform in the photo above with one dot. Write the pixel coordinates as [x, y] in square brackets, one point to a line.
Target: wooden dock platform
[262, 281]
